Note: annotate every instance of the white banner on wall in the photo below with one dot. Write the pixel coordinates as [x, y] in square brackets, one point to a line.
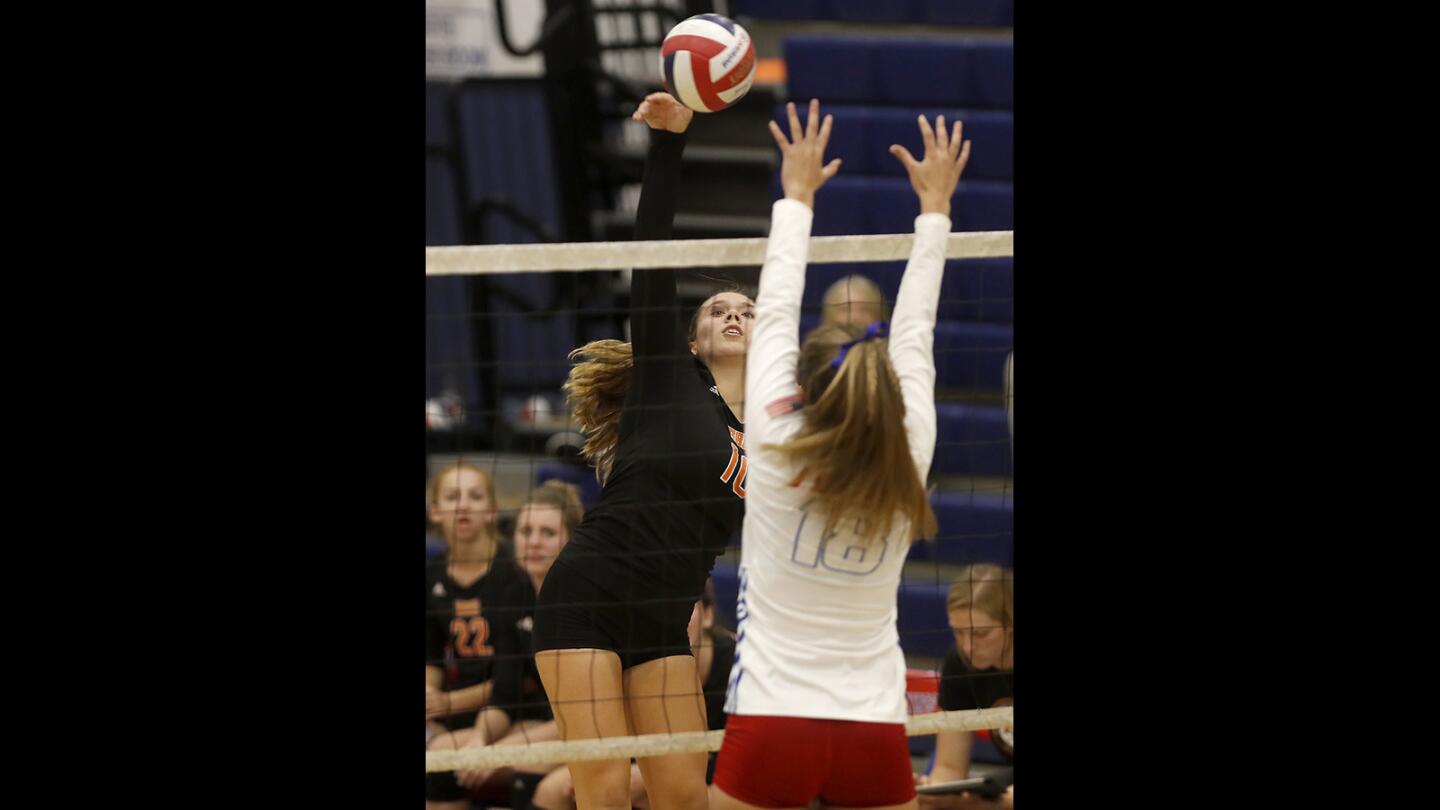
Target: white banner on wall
[461, 38]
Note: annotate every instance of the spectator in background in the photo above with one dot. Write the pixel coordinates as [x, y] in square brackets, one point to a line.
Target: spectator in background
[978, 674]
[542, 527]
[473, 662]
[853, 301]
[714, 647]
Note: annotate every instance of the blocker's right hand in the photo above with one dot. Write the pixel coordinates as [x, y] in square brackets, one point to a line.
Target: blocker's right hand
[934, 178]
[801, 174]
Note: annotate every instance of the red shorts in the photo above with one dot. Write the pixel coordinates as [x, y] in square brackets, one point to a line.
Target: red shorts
[789, 761]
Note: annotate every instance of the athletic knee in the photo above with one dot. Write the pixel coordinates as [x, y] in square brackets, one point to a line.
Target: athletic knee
[687, 796]
[554, 791]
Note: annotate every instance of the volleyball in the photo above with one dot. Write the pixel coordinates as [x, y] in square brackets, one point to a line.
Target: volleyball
[707, 62]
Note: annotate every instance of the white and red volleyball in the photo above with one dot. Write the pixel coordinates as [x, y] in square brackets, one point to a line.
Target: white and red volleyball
[707, 62]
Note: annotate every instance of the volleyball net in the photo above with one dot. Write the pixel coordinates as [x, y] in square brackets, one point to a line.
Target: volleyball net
[501, 321]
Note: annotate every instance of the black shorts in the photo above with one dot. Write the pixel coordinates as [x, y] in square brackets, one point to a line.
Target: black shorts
[572, 612]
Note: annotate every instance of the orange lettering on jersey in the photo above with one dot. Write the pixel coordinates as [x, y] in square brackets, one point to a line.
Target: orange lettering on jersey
[739, 486]
[467, 607]
[734, 459]
[737, 436]
[479, 632]
[470, 636]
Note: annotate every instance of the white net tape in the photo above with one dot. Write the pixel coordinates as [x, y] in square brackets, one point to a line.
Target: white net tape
[650, 745]
[471, 260]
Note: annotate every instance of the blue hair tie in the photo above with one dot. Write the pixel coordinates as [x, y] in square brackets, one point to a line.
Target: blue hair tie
[878, 329]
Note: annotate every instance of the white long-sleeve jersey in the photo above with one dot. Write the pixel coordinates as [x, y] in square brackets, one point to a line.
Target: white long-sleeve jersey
[816, 615]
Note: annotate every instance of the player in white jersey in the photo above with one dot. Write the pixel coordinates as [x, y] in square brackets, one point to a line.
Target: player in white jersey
[841, 432]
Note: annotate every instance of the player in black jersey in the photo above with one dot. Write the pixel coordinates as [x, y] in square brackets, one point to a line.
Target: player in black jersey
[662, 417]
[473, 661]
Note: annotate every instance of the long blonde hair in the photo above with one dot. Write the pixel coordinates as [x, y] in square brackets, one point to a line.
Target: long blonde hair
[595, 393]
[853, 444]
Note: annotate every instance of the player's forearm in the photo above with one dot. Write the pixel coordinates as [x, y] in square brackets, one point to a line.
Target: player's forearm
[952, 756]
[660, 188]
[912, 334]
[470, 698]
[774, 335]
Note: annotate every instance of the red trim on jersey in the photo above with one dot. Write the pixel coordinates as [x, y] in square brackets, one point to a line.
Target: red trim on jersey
[785, 405]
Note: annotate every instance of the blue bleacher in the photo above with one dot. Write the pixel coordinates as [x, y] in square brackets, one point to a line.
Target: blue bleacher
[508, 154]
[781, 9]
[972, 13]
[967, 354]
[959, 72]
[923, 622]
[892, 11]
[976, 13]
[980, 290]
[442, 203]
[531, 348]
[975, 527]
[449, 353]
[870, 204]
[862, 136]
[582, 477]
[437, 115]
[972, 355]
[973, 440]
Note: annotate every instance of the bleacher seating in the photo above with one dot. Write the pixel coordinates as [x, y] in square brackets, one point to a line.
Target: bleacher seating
[582, 477]
[862, 136]
[975, 527]
[980, 290]
[449, 355]
[896, 71]
[973, 440]
[972, 13]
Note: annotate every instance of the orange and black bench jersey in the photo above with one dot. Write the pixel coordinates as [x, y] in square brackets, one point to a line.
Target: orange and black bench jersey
[470, 631]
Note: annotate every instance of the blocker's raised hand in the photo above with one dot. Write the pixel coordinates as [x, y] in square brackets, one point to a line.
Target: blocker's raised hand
[934, 178]
[801, 173]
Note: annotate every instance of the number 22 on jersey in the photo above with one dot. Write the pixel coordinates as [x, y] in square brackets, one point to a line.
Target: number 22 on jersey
[470, 636]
